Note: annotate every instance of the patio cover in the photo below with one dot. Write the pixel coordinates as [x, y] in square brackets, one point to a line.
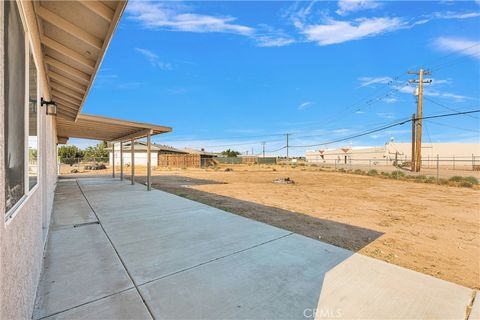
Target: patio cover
[106, 129]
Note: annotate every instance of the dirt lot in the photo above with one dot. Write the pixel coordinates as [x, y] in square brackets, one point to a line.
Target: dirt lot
[428, 228]
[425, 227]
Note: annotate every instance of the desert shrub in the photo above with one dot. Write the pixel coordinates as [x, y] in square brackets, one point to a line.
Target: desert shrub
[372, 172]
[466, 184]
[421, 177]
[398, 173]
[456, 179]
[341, 170]
[471, 179]
[431, 180]
[385, 174]
[358, 171]
[443, 181]
[274, 169]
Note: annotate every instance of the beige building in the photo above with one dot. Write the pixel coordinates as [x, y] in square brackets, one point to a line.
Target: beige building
[50, 53]
[449, 154]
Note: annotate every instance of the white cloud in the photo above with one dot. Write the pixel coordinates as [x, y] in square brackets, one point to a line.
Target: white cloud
[390, 100]
[455, 15]
[430, 92]
[370, 81]
[386, 115]
[347, 6]
[335, 31]
[441, 81]
[359, 112]
[271, 41]
[153, 59]
[457, 45]
[446, 95]
[175, 17]
[305, 105]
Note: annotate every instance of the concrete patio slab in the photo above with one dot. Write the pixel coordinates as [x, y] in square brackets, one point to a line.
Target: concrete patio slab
[171, 233]
[70, 206]
[80, 266]
[124, 305]
[277, 280]
[193, 261]
[364, 288]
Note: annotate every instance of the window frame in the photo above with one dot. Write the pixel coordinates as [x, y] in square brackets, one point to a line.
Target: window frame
[10, 214]
[27, 119]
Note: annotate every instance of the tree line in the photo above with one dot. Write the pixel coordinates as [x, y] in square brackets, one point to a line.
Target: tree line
[71, 154]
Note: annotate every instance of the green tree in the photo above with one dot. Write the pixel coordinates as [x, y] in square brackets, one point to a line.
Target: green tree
[230, 153]
[69, 154]
[96, 152]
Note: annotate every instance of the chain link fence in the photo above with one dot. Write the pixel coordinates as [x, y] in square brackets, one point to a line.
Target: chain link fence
[442, 167]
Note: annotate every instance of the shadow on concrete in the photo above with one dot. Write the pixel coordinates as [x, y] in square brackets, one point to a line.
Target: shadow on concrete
[343, 235]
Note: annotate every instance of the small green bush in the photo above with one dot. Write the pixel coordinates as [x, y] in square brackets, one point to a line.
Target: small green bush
[358, 171]
[431, 180]
[372, 172]
[471, 179]
[398, 173]
[456, 179]
[421, 177]
[385, 174]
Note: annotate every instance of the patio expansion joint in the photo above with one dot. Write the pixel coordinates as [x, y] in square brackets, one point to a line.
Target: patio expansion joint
[215, 259]
[85, 303]
[116, 252]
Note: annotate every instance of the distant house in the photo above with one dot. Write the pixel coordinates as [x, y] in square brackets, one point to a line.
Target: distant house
[185, 157]
[201, 152]
[140, 150]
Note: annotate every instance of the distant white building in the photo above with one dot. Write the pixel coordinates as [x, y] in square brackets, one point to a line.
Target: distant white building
[140, 153]
[463, 154]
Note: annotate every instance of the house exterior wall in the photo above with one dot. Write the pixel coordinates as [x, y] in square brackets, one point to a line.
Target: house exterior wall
[140, 158]
[22, 236]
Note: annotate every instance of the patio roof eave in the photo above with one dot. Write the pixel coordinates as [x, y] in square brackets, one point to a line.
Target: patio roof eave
[105, 128]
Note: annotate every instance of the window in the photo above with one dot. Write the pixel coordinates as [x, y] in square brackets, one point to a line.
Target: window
[32, 123]
[21, 109]
[14, 95]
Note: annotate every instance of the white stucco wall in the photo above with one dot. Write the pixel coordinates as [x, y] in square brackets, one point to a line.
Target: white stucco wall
[140, 158]
[22, 236]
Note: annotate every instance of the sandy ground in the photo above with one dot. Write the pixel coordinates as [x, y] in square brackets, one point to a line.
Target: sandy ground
[425, 227]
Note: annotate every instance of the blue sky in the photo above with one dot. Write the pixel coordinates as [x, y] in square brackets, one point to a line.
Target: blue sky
[233, 74]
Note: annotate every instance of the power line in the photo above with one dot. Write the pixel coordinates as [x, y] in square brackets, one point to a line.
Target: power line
[451, 114]
[276, 150]
[239, 144]
[446, 64]
[238, 137]
[454, 127]
[386, 127]
[448, 108]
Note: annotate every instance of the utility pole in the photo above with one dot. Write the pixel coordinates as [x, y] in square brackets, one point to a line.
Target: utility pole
[418, 145]
[413, 142]
[263, 149]
[286, 135]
